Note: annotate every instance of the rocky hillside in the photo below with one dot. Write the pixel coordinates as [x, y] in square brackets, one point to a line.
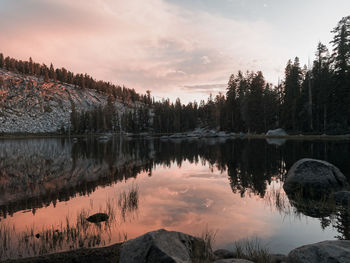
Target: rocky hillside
[30, 105]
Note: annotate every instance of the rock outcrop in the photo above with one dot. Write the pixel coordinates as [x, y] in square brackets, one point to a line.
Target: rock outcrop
[337, 251]
[28, 104]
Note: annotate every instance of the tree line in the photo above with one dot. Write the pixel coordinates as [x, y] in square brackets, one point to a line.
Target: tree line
[310, 99]
[105, 118]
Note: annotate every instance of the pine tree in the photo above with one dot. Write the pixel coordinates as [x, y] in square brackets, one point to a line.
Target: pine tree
[2, 62]
[321, 86]
[340, 64]
[291, 96]
[52, 72]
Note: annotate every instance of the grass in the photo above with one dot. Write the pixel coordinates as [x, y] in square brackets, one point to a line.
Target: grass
[209, 237]
[32, 242]
[251, 249]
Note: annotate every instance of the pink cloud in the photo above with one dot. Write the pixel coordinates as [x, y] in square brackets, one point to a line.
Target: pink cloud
[142, 44]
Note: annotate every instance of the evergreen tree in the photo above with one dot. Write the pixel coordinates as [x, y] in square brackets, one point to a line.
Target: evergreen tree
[2, 62]
[321, 87]
[340, 64]
[291, 96]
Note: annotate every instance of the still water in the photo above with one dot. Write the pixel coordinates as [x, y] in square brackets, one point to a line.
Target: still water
[231, 187]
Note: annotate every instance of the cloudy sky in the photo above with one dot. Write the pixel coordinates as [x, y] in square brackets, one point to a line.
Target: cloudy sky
[175, 48]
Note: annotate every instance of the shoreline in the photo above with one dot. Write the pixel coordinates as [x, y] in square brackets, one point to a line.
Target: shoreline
[172, 246]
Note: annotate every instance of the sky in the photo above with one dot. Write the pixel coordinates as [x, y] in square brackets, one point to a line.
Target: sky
[175, 48]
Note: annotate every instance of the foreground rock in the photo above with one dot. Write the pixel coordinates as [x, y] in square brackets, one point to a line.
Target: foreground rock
[98, 218]
[313, 178]
[164, 246]
[337, 251]
[277, 133]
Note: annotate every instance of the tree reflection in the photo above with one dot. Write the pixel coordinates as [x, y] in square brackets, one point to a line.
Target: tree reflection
[36, 173]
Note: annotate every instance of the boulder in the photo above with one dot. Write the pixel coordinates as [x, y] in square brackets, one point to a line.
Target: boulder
[223, 254]
[276, 132]
[336, 251]
[313, 178]
[164, 246]
[97, 218]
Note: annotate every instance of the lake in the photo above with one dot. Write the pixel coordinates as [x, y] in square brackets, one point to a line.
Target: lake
[232, 187]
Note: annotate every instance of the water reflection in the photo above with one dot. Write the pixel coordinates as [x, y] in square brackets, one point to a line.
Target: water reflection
[181, 185]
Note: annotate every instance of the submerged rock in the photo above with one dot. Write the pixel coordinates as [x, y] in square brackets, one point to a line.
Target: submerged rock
[313, 178]
[164, 246]
[97, 218]
[336, 251]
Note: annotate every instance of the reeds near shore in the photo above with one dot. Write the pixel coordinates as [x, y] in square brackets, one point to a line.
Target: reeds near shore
[72, 232]
[252, 249]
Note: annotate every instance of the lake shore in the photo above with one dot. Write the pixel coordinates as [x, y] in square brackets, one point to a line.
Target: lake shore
[170, 246]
